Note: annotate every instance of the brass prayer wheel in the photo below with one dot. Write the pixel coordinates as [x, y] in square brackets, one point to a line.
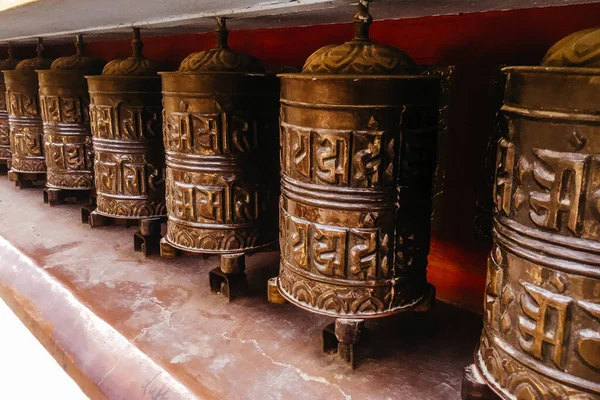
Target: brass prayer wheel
[26, 127]
[5, 154]
[541, 335]
[220, 126]
[125, 115]
[358, 149]
[64, 101]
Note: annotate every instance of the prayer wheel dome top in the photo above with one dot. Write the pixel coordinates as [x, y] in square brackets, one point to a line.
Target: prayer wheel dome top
[579, 49]
[10, 62]
[78, 61]
[221, 58]
[38, 62]
[360, 55]
[136, 65]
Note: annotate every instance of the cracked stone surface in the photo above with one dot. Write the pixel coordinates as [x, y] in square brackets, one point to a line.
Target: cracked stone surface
[129, 327]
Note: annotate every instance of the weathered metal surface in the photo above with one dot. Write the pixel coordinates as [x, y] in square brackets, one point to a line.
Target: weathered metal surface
[64, 103]
[125, 114]
[542, 307]
[358, 143]
[130, 327]
[220, 126]
[26, 127]
[8, 64]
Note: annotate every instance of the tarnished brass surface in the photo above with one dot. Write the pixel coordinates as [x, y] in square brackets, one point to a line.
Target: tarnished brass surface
[125, 116]
[220, 127]
[64, 102]
[26, 127]
[357, 157]
[580, 49]
[541, 336]
[8, 64]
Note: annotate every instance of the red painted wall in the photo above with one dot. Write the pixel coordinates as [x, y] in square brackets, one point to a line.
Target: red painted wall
[475, 43]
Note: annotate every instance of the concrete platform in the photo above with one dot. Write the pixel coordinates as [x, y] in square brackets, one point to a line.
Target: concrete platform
[128, 327]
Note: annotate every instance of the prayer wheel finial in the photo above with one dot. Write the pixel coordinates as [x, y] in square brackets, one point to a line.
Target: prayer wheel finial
[40, 47]
[222, 33]
[136, 43]
[362, 21]
[79, 44]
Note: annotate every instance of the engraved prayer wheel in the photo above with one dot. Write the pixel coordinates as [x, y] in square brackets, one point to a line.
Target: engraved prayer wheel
[541, 335]
[64, 101]
[5, 154]
[220, 126]
[26, 126]
[358, 148]
[125, 115]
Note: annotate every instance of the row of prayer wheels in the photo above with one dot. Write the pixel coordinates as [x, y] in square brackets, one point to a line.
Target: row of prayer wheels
[357, 149]
[347, 170]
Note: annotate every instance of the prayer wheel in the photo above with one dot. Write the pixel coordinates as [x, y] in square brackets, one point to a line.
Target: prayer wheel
[64, 102]
[220, 126]
[541, 334]
[5, 154]
[28, 164]
[125, 115]
[359, 130]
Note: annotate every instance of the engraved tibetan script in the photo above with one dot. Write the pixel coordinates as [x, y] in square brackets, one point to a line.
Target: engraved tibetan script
[122, 177]
[504, 175]
[214, 204]
[27, 143]
[65, 156]
[561, 176]
[493, 289]
[329, 251]
[358, 254]
[123, 122]
[588, 343]
[367, 160]
[298, 242]
[331, 158]
[544, 322]
[194, 133]
[363, 255]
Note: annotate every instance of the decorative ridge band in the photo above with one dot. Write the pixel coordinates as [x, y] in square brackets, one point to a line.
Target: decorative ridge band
[315, 105]
[530, 249]
[336, 190]
[34, 120]
[336, 281]
[120, 147]
[211, 95]
[386, 312]
[541, 368]
[201, 225]
[566, 241]
[337, 201]
[213, 164]
[550, 114]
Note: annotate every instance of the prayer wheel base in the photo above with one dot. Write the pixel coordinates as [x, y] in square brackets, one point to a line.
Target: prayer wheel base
[274, 296]
[147, 240]
[26, 180]
[229, 285]
[474, 387]
[56, 196]
[168, 251]
[342, 337]
[229, 278]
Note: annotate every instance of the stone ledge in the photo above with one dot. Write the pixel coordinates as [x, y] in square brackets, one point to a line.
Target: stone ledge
[128, 327]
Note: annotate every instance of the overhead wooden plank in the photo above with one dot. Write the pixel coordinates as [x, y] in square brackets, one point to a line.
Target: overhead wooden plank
[107, 19]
